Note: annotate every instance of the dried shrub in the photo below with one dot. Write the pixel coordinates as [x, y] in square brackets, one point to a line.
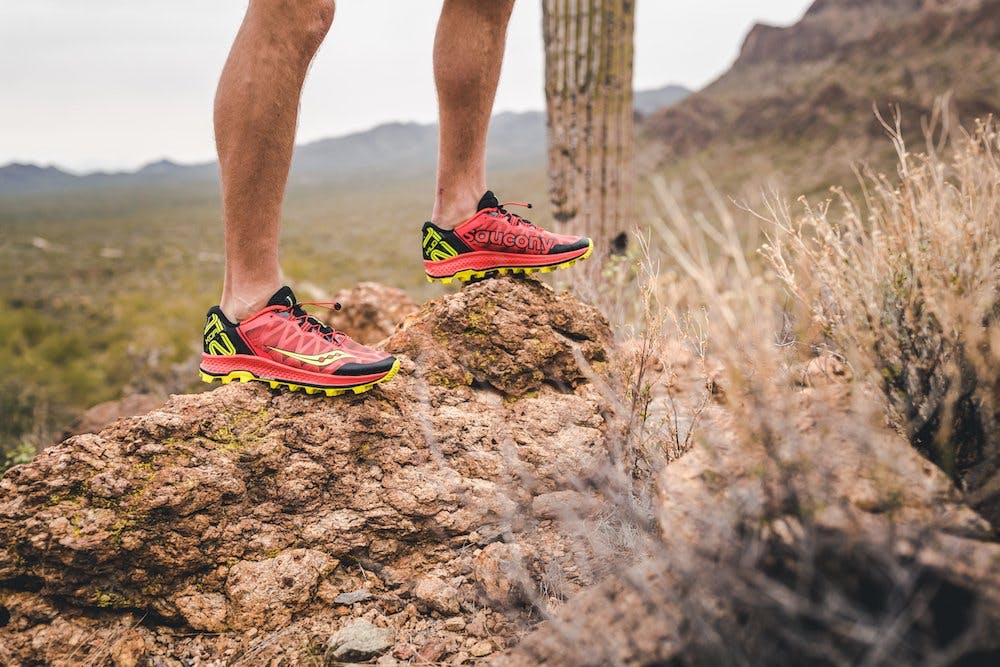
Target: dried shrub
[791, 530]
[905, 283]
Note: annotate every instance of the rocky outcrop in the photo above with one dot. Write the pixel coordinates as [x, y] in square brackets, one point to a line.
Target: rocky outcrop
[767, 43]
[481, 338]
[247, 512]
[827, 26]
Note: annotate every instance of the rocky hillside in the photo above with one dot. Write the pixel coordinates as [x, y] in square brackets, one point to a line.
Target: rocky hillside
[799, 100]
[488, 504]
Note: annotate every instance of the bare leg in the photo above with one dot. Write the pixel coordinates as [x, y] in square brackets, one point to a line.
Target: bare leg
[468, 51]
[256, 110]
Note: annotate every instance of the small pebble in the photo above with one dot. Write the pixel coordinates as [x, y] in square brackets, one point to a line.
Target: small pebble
[454, 624]
[480, 649]
[353, 597]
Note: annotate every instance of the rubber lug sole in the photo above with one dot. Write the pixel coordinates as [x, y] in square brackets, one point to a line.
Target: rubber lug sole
[246, 376]
[472, 274]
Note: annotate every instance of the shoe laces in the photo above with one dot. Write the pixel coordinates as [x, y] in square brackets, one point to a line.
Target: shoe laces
[514, 218]
[311, 324]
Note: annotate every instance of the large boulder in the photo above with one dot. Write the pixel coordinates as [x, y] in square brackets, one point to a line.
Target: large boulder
[246, 511]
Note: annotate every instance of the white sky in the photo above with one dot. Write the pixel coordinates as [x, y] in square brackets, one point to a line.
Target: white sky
[90, 84]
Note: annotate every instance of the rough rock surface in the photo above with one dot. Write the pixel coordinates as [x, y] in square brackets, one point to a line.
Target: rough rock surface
[370, 311]
[246, 512]
[499, 570]
[481, 337]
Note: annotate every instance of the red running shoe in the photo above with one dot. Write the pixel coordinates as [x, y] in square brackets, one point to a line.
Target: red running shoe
[284, 346]
[494, 241]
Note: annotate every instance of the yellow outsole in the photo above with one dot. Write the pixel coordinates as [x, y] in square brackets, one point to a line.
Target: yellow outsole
[472, 274]
[246, 376]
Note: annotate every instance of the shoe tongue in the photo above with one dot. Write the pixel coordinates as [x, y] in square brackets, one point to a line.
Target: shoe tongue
[283, 297]
[489, 200]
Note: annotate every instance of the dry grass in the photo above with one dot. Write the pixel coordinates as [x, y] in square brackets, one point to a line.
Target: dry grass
[776, 537]
[905, 284]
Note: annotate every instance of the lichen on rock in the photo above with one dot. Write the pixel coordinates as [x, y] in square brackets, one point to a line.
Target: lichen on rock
[512, 335]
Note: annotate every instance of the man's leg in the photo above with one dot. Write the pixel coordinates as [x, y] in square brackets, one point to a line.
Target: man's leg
[256, 110]
[468, 51]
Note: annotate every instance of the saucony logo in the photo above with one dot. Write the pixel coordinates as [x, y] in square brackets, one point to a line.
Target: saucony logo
[321, 360]
[533, 242]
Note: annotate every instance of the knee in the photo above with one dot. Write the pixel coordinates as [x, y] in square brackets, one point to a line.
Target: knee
[301, 24]
[315, 18]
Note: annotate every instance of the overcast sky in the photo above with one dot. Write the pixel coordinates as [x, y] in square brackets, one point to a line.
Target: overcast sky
[118, 83]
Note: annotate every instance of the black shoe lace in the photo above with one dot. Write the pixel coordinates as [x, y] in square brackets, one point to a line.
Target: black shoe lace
[514, 218]
[312, 324]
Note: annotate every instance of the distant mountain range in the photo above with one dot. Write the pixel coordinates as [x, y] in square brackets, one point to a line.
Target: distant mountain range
[801, 94]
[516, 140]
[648, 101]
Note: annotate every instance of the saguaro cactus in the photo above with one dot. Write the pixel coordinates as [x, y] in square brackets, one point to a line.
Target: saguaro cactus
[588, 92]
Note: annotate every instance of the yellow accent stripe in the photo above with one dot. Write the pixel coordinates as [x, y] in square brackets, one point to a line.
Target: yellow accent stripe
[473, 274]
[321, 360]
[246, 376]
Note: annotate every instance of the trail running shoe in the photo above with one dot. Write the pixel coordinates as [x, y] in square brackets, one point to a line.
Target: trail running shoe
[284, 346]
[495, 241]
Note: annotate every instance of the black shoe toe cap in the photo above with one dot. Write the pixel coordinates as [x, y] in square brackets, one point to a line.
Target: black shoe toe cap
[373, 368]
[581, 243]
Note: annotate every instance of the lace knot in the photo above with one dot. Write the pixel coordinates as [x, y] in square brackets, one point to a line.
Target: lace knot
[514, 218]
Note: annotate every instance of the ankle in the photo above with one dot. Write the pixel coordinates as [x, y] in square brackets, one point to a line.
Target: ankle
[455, 206]
[238, 304]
